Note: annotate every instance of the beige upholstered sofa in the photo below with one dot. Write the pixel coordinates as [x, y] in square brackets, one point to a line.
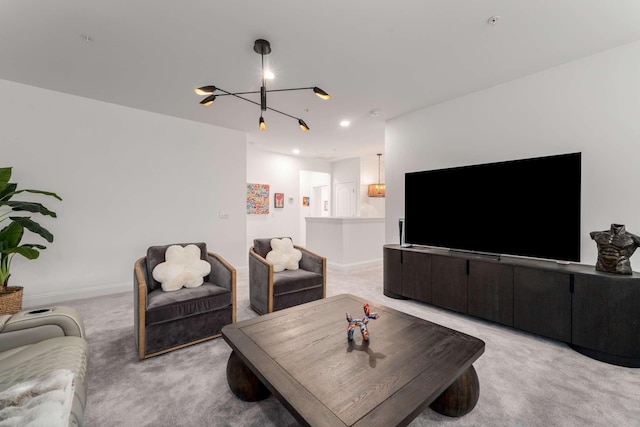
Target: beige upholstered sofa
[34, 346]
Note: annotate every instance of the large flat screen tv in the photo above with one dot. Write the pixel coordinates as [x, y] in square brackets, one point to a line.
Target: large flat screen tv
[528, 207]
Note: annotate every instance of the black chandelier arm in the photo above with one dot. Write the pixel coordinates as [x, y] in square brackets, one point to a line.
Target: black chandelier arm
[301, 122]
[284, 114]
[284, 90]
[257, 103]
[237, 95]
[257, 91]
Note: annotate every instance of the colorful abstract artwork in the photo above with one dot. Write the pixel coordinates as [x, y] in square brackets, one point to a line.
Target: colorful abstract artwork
[258, 199]
[278, 200]
[305, 201]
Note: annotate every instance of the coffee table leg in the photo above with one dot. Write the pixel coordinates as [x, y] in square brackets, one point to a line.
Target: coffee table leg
[244, 383]
[461, 396]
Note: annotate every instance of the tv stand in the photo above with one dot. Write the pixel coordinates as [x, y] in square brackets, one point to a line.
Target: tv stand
[595, 313]
[484, 254]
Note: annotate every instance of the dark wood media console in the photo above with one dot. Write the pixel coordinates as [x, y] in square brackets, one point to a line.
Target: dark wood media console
[597, 314]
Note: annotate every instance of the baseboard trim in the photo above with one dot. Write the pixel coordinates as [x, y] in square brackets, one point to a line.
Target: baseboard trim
[73, 294]
[56, 297]
[354, 266]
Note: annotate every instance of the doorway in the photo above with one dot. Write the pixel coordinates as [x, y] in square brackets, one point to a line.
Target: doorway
[315, 187]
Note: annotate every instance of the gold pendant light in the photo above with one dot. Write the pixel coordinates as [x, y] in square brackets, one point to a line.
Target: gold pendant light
[379, 189]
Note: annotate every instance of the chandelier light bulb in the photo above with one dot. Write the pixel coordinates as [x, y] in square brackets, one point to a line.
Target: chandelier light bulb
[322, 94]
[208, 100]
[269, 75]
[205, 90]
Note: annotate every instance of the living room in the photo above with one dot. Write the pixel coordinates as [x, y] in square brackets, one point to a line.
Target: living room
[131, 178]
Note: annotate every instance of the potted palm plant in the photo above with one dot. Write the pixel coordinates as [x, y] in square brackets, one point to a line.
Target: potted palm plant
[13, 223]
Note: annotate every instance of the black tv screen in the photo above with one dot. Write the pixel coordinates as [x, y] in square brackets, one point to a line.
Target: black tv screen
[528, 207]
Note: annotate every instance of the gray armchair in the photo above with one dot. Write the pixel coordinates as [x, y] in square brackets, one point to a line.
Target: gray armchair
[271, 291]
[166, 321]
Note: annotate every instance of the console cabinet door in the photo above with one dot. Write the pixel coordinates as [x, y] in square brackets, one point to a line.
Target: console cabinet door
[449, 283]
[542, 302]
[392, 272]
[605, 315]
[416, 276]
[491, 291]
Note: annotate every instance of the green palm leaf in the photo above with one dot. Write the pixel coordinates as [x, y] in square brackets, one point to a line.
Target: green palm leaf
[12, 234]
[24, 250]
[33, 226]
[8, 191]
[5, 176]
[28, 190]
[28, 207]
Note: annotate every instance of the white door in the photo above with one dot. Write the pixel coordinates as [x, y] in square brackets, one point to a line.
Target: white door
[345, 199]
[316, 206]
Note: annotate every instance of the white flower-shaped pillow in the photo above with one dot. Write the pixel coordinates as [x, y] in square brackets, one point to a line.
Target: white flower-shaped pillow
[182, 267]
[283, 255]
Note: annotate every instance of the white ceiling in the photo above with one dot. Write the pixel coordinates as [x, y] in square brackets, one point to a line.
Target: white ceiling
[390, 56]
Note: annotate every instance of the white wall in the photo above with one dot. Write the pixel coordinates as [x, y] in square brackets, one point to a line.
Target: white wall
[591, 105]
[371, 206]
[282, 173]
[128, 178]
[348, 243]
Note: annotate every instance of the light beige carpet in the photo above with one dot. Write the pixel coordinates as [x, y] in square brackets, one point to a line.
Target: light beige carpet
[524, 380]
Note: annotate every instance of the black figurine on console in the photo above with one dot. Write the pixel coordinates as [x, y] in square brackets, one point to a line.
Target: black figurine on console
[615, 247]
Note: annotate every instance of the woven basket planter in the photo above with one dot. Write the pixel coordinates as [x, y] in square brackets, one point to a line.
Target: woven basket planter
[10, 299]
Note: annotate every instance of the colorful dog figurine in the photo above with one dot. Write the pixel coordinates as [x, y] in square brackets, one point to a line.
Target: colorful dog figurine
[362, 323]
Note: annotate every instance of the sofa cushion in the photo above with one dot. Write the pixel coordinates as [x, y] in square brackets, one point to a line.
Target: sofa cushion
[295, 280]
[166, 306]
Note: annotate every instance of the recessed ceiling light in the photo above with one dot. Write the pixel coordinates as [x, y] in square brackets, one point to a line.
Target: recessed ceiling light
[296, 151]
[269, 75]
[345, 123]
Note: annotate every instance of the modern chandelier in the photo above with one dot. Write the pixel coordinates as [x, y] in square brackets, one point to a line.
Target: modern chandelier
[261, 47]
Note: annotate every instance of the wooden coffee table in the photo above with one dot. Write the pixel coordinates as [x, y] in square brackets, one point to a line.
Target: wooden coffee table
[303, 357]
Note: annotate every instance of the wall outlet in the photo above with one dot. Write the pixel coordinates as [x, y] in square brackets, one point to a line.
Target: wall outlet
[223, 215]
